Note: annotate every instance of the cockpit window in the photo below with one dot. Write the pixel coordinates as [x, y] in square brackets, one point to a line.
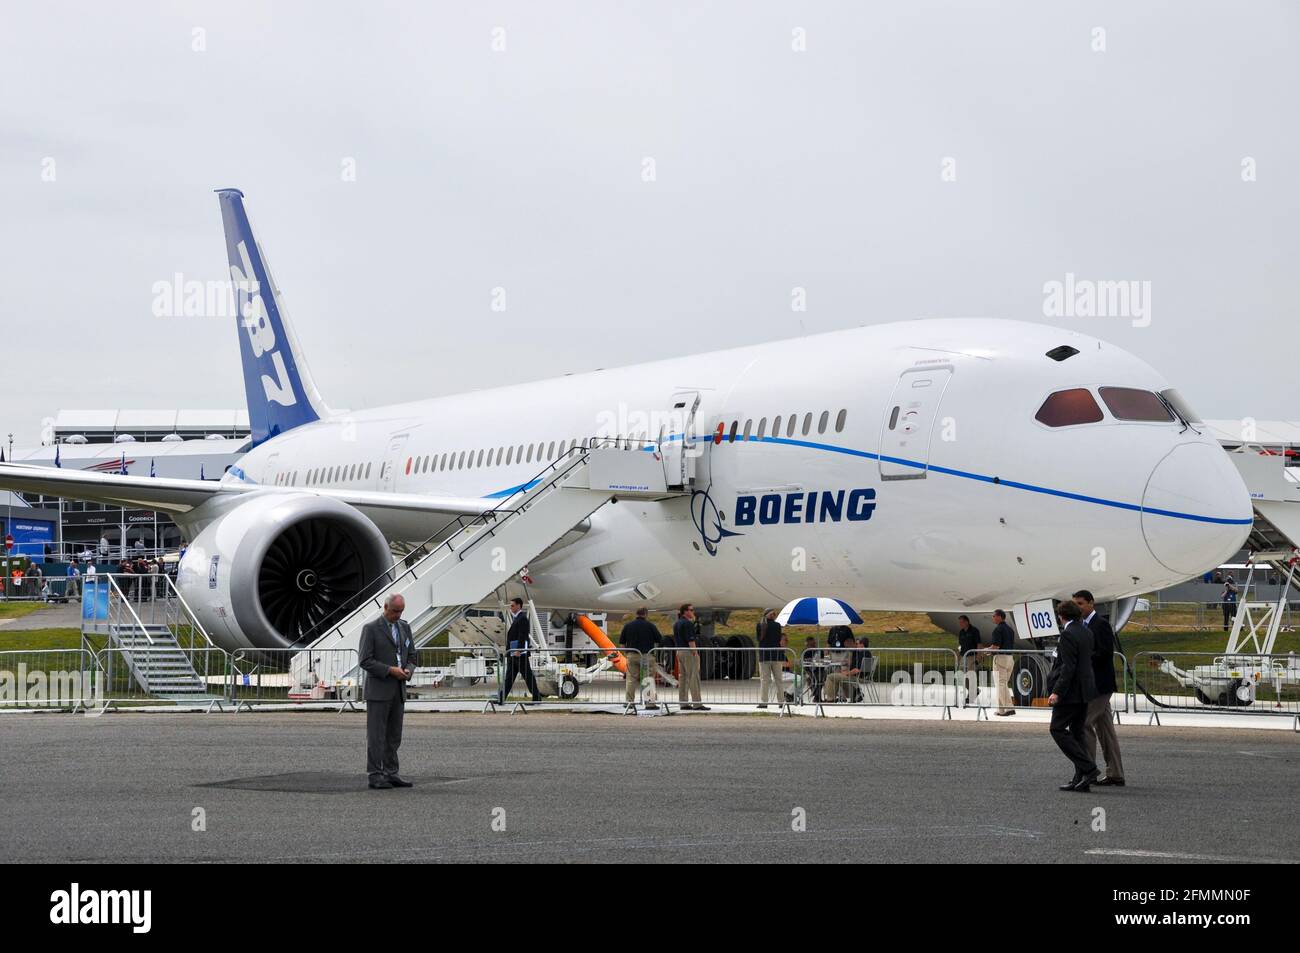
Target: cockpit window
[1066, 408]
[1180, 406]
[1129, 403]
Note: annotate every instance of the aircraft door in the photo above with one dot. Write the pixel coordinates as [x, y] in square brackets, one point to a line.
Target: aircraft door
[389, 469]
[908, 427]
[677, 444]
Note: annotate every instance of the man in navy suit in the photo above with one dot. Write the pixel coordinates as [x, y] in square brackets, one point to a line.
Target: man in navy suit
[1072, 686]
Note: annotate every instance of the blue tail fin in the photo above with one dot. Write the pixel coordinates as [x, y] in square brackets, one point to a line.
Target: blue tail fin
[279, 388]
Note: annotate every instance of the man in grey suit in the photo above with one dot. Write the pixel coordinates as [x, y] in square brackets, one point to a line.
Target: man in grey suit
[387, 654]
[1072, 687]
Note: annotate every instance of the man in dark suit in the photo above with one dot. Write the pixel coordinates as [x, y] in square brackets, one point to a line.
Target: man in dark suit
[1100, 724]
[1072, 686]
[517, 643]
[387, 655]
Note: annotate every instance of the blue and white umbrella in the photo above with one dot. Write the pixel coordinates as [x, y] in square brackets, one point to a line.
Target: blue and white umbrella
[818, 611]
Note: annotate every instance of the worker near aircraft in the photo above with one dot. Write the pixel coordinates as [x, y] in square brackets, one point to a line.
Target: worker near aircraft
[387, 655]
[640, 635]
[771, 656]
[688, 659]
[517, 645]
[1002, 640]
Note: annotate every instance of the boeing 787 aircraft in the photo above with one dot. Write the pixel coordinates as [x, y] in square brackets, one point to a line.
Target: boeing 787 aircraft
[934, 465]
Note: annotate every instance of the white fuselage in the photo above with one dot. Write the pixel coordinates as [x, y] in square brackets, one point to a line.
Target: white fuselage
[976, 504]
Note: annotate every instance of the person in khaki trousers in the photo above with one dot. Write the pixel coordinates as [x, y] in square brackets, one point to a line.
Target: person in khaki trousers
[688, 659]
[1099, 728]
[643, 638]
[770, 660]
[1003, 640]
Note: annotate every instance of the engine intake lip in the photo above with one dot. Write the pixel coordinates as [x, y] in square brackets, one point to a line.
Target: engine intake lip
[307, 556]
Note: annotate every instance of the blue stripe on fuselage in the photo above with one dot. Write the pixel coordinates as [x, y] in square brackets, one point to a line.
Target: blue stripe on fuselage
[949, 471]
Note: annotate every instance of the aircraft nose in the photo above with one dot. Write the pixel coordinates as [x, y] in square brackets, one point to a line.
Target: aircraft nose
[1196, 511]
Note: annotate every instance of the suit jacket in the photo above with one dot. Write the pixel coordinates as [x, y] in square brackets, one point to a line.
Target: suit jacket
[519, 631]
[377, 654]
[1071, 677]
[1103, 654]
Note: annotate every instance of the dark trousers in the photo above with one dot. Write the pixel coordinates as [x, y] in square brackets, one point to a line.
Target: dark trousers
[1229, 612]
[383, 736]
[517, 665]
[1068, 721]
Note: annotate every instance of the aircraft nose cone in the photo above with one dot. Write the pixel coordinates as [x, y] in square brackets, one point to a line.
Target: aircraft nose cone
[1196, 511]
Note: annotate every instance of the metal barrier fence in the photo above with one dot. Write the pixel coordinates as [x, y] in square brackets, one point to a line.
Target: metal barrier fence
[294, 676]
[889, 675]
[163, 676]
[724, 675]
[586, 676]
[1201, 681]
[1200, 616]
[1023, 672]
[471, 673]
[898, 676]
[60, 587]
[49, 679]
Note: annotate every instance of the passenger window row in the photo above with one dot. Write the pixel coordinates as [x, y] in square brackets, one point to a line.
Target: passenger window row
[345, 473]
[792, 424]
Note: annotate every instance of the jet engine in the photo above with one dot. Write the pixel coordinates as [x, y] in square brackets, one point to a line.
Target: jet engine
[266, 569]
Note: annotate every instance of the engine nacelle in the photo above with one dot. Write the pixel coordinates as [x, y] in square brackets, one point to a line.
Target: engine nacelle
[267, 567]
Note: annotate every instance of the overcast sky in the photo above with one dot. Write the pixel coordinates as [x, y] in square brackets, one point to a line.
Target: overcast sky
[794, 145]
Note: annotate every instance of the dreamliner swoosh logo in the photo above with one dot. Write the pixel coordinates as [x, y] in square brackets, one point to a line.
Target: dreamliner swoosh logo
[708, 521]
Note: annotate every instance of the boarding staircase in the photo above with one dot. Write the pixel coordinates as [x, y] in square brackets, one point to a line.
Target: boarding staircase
[143, 621]
[468, 559]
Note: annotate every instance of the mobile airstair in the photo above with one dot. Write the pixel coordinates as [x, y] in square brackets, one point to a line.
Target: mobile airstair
[147, 642]
[470, 558]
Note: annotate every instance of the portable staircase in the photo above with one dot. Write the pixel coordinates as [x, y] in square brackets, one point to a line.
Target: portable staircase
[143, 621]
[469, 558]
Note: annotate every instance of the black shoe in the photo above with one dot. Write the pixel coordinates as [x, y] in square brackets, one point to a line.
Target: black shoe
[380, 785]
[1109, 782]
[651, 707]
[395, 781]
[1009, 711]
[1084, 784]
[1070, 785]
[702, 708]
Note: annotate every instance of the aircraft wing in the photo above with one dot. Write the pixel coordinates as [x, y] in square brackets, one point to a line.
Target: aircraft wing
[178, 497]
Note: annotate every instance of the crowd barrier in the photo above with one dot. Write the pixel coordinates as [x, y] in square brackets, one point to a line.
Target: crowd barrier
[889, 675]
[319, 677]
[145, 677]
[1201, 616]
[472, 673]
[49, 679]
[1024, 673]
[725, 675]
[1201, 681]
[622, 678]
[586, 676]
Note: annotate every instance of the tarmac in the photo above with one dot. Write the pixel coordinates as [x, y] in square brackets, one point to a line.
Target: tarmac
[563, 786]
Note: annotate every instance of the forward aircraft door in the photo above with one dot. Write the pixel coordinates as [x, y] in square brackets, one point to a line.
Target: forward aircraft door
[677, 444]
[908, 427]
[392, 461]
